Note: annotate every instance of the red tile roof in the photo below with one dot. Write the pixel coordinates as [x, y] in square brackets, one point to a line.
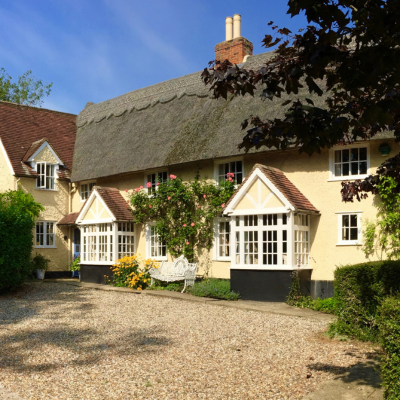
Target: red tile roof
[284, 185]
[23, 129]
[115, 202]
[69, 219]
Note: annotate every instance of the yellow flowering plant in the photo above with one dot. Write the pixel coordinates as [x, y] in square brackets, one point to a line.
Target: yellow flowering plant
[132, 272]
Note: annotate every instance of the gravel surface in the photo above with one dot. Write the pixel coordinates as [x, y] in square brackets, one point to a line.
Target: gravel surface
[64, 342]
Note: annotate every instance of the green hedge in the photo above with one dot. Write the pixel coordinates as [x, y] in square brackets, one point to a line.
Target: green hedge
[18, 211]
[359, 291]
[389, 329]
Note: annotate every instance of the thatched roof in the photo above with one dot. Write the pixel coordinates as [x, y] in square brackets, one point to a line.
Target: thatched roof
[173, 122]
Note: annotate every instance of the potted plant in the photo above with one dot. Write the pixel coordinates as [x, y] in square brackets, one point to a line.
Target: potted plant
[75, 267]
[41, 264]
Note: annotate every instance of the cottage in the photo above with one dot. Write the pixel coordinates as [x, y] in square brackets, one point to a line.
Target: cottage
[36, 156]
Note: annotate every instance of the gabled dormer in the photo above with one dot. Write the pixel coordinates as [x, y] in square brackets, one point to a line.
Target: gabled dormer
[44, 160]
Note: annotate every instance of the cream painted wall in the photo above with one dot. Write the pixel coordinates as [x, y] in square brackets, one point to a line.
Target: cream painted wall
[55, 203]
[310, 175]
[7, 181]
[46, 156]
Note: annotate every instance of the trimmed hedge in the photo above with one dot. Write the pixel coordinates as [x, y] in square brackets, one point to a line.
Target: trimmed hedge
[359, 291]
[389, 327]
[17, 220]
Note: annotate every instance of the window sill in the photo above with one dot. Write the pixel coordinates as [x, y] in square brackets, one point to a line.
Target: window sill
[350, 243]
[47, 190]
[274, 268]
[347, 178]
[45, 247]
[222, 259]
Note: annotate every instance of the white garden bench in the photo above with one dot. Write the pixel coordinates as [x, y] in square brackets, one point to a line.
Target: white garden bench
[178, 270]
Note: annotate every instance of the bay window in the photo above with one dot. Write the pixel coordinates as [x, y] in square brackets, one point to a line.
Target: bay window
[103, 243]
[270, 241]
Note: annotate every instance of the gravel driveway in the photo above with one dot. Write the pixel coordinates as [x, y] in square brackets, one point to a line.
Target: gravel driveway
[64, 342]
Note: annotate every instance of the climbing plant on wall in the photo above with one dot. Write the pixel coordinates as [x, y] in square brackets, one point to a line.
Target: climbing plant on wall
[181, 212]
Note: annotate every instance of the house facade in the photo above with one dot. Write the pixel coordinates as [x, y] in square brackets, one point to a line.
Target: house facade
[36, 149]
[285, 215]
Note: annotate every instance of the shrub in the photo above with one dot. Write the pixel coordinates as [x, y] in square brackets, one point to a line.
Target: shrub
[172, 287]
[76, 264]
[359, 291]
[132, 272]
[18, 211]
[389, 327]
[215, 288]
[40, 262]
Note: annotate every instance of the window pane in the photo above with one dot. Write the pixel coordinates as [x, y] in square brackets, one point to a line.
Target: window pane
[353, 234]
[354, 154]
[345, 220]
[363, 153]
[363, 167]
[353, 220]
[338, 156]
[345, 155]
[338, 169]
[354, 168]
[346, 169]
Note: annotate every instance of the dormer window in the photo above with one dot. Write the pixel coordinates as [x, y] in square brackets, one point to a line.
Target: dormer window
[45, 176]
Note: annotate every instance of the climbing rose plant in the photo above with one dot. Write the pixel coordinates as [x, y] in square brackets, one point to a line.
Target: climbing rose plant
[182, 213]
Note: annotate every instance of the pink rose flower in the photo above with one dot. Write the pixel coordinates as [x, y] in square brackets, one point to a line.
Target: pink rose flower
[157, 183]
[169, 197]
[187, 242]
[141, 187]
[172, 177]
[199, 207]
[137, 189]
[204, 195]
[148, 184]
[192, 224]
[126, 190]
[149, 205]
[223, 205]
[230, 180]
[184, 225]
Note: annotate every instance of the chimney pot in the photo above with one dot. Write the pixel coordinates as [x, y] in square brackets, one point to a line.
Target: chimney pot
[229, 28]
[236, 26]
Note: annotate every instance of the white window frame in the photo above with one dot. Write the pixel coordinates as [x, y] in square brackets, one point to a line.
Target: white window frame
[216, 245]
[146, 179]
[113, 232]
[342, 242]
[45, 245]
[285, 263]
[88, 188]
[227, 161]
[148, 245]
[332, 177]
[45, 175]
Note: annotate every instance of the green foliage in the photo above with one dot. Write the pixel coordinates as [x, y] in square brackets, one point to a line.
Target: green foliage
[389, 332]
[40, 262]
[369, 237]
[297, 299]
[26, 91]
[172, 287]
[359, 292]
[214, 288]
[182, 212]
[76, 264]
[18, 211]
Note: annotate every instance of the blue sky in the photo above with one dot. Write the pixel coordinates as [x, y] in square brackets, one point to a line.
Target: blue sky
[94, 50]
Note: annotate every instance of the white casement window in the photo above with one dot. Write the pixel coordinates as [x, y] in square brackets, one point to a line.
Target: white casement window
[126, 239]
[222, 241]
[270, 241]
[234, 166]
[85, 189]
[155, 247]
[104, 243]
[301, 239]
[153, 178]
[45, 176]
[349, 162]
[44, 234]
[349, 228]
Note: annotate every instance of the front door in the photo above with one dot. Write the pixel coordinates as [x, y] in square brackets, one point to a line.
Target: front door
[77, 242]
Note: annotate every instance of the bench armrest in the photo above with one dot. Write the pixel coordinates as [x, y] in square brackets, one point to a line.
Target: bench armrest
[190, 273]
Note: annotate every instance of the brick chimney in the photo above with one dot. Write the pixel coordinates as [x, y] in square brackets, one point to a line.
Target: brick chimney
[235, 47]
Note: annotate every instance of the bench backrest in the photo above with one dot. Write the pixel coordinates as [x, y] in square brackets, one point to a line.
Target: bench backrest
[176, 268]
